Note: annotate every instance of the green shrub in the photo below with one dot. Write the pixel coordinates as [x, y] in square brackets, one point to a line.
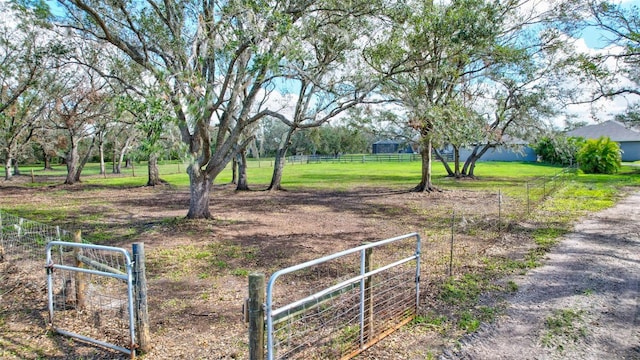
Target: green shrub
[601, 156]
[559, 150]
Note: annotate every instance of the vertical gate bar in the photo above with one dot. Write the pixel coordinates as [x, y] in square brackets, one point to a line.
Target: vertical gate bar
[80, 284]
[49, 267]
[368, 296]
[418, 254]
[269, 316]
[362, 272]
[132, 329]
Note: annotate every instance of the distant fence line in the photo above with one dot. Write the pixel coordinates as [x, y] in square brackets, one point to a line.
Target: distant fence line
[365, 158]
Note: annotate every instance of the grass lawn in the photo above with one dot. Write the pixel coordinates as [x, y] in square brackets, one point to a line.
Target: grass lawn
[326, 175]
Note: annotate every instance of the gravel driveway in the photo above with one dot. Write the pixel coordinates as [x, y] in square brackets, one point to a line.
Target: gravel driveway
[582, 304]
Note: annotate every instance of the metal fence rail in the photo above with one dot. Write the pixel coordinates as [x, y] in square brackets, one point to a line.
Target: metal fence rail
[345, 318]
[90, 294]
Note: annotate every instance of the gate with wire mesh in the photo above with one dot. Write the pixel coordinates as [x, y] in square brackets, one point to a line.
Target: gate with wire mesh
[339, 305]
[90, 294]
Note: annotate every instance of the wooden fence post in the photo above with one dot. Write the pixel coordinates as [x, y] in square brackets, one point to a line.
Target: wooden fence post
[80, 283]
[140, 301]
[256, 316]
[368, 297]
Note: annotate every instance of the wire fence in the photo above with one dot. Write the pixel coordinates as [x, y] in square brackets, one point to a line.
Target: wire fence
[468, 234]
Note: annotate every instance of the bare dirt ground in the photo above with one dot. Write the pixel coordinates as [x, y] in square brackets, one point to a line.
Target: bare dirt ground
[582, 304]
[196, 302]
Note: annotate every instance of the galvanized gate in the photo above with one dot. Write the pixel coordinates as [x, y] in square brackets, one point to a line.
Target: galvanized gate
[90, 294]
[363, 298]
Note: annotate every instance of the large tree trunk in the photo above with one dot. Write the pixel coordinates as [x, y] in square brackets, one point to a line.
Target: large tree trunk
[103, 170]
[154, 173]
[121, 159]
[200, 189]
[242, 171]
[425, 183]
[16, 168]
[445, 163]
[278, 166]
[470, 163]
[234, 171]
[456, 159]
[84, 161]
[47, 160]
[114, 162]
[8, 168]
[72, 164]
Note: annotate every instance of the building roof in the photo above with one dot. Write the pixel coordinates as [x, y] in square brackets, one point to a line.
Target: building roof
[385, 142]
[615, 130]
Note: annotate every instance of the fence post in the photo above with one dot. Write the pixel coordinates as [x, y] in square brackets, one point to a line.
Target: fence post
[499, 211]
[528, 200]
[1, 239]
[368, 297]
[80, 283]
[453, 224]
[256, 316]
[140, 291]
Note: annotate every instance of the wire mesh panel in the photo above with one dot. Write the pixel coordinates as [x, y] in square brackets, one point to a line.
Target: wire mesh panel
[345, 302]
[23, 240]
[90, 293]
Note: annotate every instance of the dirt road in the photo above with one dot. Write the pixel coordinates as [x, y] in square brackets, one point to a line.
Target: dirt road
[582, 304]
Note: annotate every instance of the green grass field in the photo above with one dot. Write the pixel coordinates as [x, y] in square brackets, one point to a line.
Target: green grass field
[508, 176]
[326, 175]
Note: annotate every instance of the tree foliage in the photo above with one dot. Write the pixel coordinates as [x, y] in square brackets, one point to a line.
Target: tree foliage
[613, 70]
[558, 149]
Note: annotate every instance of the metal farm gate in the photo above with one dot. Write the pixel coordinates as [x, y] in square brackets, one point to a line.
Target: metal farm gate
[90, 294]
[339, 305]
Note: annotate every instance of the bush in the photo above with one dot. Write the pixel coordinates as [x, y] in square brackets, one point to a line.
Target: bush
[558, 150]
[601, 156]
